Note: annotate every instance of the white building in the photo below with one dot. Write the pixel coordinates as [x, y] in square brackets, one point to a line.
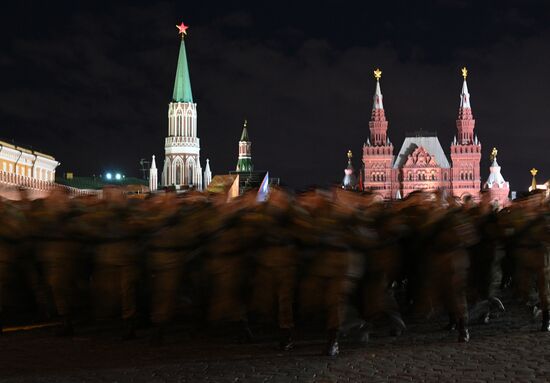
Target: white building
[182, 167]
[21, 167]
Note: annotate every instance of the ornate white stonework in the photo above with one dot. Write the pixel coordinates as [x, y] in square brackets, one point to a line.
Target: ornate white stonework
[153, 176]
[182, 147]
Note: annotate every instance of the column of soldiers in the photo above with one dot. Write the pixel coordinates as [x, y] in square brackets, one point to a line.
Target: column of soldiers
[345, 258]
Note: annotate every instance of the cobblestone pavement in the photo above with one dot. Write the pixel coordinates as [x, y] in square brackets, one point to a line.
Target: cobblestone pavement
[508, 349]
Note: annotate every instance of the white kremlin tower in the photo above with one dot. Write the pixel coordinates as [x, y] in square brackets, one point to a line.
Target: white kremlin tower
[182, 168]
[153, 175]
[207, 174]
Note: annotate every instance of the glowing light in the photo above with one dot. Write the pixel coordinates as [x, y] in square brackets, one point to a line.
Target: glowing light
[108, 176]
[182, 28]
[118, 176]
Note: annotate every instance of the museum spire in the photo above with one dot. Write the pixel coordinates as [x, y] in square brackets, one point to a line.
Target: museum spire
[377, 99]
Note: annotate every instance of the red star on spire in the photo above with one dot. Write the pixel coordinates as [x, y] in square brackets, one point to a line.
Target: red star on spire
[182, 28]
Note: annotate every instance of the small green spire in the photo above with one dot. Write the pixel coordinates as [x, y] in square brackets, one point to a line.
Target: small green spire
[244, 135]
[182, 84]
[244, 163]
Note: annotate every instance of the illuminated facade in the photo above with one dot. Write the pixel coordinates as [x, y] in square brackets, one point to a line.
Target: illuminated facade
[421, 163]
[496, 187]
[26, 168]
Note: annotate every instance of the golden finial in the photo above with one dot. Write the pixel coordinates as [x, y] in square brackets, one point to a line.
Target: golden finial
[534, 181]
[350, 154]
[377, 74]
[494, 153]
[464, 72]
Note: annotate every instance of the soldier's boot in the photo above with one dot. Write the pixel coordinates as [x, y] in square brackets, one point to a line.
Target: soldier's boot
[397, 324]
[286, 342]
[157, 339]
[332, 344]
[246, 333]
[364, 333]
[129, 329]
[463, 333]
[496, 303]
[451, 326]
[66, 328]
[545, 321]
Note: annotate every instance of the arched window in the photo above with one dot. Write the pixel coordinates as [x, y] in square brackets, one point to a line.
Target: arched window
[179, 124]
[190, 173]
[410, 176]
[178, 174]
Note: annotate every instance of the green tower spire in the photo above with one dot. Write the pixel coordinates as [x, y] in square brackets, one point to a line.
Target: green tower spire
[182, 84]
[244, 163]
[244, 134]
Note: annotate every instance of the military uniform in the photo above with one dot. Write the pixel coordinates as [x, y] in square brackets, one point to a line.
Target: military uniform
[58, 252]
[448, 265]
[116, 266]
[484, 263]
[275, 274]
[533, 260]
[327, 270]
[230, 264]
[382, 254]
[10, 235]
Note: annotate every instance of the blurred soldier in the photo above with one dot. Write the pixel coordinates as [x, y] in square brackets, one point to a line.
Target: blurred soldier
[166, 260]
[328, 267]
[276, 271]
[116, 264]
[531, 253]
[231, 261]
[415, 210]
[179, 239]
[58, 251]
[448, 263]
[382, 268]
[484, 263]
[10, 235]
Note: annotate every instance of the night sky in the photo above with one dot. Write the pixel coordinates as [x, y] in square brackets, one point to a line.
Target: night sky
[90, 82]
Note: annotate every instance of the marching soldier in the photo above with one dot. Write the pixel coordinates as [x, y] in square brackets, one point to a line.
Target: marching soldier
[448, 264]
[58, 252]
[276, 271]
[116, 267]
[531, 253]
[10, 236]
[231, 260]
[328, 266]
